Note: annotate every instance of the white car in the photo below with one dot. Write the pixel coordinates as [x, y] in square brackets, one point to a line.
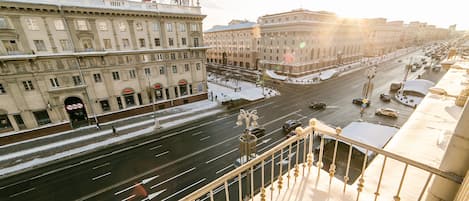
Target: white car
[387, 112]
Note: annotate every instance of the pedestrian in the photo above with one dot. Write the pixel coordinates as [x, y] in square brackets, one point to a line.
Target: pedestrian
[98, 126]
[113, 129]
[216, 97]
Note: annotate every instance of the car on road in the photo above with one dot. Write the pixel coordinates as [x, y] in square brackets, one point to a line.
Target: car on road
[317, 106]
[257, 131]
[385, 97]
[359, 101]
[291, 134]
[290, 125]
[387, 112]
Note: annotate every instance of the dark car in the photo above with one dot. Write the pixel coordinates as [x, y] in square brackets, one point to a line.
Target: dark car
[385, 97]
[290, 125]
[359, 101]
[257, 131]
[317, 106]
[291, 134]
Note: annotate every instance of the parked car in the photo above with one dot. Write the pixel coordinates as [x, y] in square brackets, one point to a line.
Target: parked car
[359, 101]
[290, 125]
[257, 131]
[395, 86]
[385, 97]
[317, 106]
[387, 112]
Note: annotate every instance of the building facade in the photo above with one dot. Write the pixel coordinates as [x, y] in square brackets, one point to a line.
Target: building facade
[84, 60]
[382, 37]
[301, 42]
[234, 44]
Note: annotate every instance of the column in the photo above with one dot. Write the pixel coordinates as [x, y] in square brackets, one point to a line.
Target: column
[149, 29]
[72, 32]
[164, 38]
[132, 34]
[94, 30]
[50, 36]
[23, 40]
[116, 39]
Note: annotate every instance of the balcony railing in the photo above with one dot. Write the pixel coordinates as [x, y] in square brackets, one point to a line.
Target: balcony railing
[299, 154]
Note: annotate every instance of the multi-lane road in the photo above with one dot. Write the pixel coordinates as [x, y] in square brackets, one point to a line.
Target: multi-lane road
[171, 164]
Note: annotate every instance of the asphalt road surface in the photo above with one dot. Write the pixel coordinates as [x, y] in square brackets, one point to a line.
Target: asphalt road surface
[171, 164]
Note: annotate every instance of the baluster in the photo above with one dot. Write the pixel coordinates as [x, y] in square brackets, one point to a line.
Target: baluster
[332, 167]
[319, 163]
[380, 178]
[289, 166]
[240, 187]
[396, 197]
[252, 183]
[227, 192]
[361, 181]
[310, 152]
[280, 175]
[272, 178]
[262, 182]
[304, 155]
[297, 167]
[346, 178]
[211, 195]
[425, 187]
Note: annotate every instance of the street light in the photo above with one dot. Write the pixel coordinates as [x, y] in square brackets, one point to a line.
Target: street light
[153, 97]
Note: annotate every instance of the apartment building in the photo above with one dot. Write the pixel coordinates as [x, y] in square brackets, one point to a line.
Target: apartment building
[66, 62]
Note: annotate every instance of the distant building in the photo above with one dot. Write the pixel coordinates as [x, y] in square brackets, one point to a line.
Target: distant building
[67, 61]
[382, 37]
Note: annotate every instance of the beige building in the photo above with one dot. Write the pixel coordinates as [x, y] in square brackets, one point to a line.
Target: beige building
[235, 44]
[300, 42]
[69, 61]
[382, 37]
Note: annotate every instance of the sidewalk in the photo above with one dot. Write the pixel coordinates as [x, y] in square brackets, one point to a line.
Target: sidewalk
[41, 151]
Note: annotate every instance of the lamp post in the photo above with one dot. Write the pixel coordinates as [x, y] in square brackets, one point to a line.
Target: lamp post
[247, 146]
[153, 97]
[367, 88]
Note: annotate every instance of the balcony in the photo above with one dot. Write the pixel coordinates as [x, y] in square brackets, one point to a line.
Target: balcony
[425, 160]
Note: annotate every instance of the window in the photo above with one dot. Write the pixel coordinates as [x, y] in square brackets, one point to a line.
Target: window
[197, 66]
[28, 85]
[2, 89]
[122, 27]
[82, 25]
[183, 41]
[170, 41]
[147, 71]
[107, 44]
[105, 105]
[157, 42]
[77, 80]
[97, 77]
[87, 44]
[139, 26]
[3, 22]
[173, 56]
[65, 44]
[59, 25]
[194, 27]
[102, 26]
[40, 46]
[182, 27]
[169, 27]
[42, 117]
[10, 45]
[186, 67]
[161, 70]
[125, 43]
[132, 74]
[185, 55]
[159, 57]
[141, 41]
[156, 26]
[54, 82]
[145, 58]
[196, 42]
[32, 24]
[175, 69]
[115, 75]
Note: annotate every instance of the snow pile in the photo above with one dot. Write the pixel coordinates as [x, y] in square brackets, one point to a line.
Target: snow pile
[328, 74]
[272, 74]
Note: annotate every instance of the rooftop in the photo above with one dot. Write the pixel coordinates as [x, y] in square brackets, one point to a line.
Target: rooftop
[241, 25]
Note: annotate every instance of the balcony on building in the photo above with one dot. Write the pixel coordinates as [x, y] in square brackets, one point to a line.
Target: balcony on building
[427, 159]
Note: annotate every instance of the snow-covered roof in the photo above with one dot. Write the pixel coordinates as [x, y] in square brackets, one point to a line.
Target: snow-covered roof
[368, 133]
[419, 85]
[231, 27]
[272, 74]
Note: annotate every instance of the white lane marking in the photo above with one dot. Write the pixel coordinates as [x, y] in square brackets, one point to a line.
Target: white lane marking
[153, 195]
[218, 157]
[22, 192]
[197, 133]
[235, 126]
[269, 145]
[101, 176]
[202, 139]
[100, 166]
[267, 104]
[264, 141]
[153, 148]
[333, 107]
[12, 184]
[282, 117]
[158, 155]
[224, 168]
[143, 182]
[178, 175]
[190, 186]
[128, 198]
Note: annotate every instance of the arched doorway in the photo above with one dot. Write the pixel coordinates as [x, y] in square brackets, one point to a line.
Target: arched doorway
[158, 89]
[129, 97]
[183, 87]
[76, 111]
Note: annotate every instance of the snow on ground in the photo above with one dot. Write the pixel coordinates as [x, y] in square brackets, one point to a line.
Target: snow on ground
[272, 74]
[328, 74]
[221, 91]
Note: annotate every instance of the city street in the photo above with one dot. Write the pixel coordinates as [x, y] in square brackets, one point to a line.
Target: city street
[171, 164]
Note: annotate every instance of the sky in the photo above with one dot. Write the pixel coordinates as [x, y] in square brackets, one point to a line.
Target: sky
[439, 13]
